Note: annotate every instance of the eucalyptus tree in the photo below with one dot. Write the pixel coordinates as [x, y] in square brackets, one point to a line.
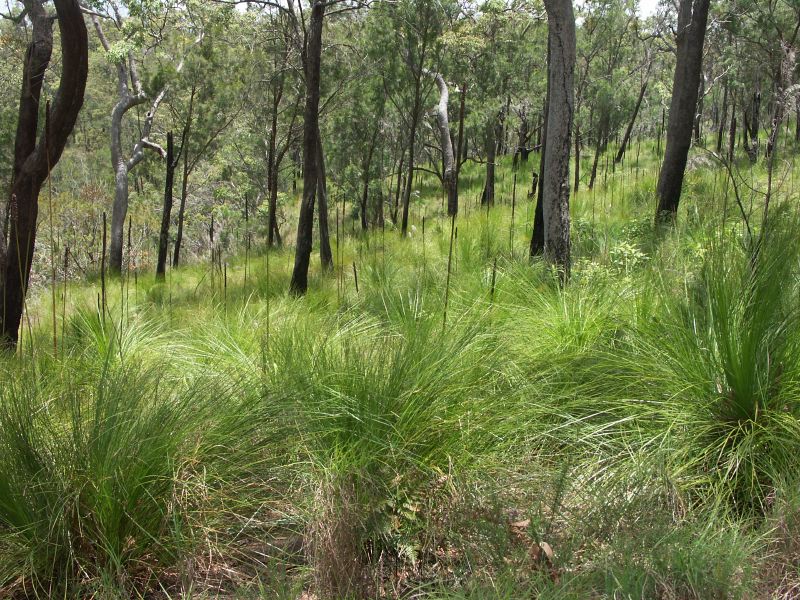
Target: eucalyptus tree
[124, 54]
[208, 94]
[314, 187]
[38, 146]
[410, 32]
[561, 105]
[690, 37]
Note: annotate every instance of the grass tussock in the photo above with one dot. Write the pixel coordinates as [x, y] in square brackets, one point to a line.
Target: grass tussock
[633, 434]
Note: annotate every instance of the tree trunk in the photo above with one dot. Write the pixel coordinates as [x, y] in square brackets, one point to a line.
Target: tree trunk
[34, 159]
[692, 19]
[492, 127]
[723, 120]
[272, 167]
[698, 116]
[411, 143]
[732, 135]
[187, 131]
[325, 253]
[577, 157]
[600, 146]
[555, 179]
[127, 77]
[119, 214]
[626, 138]
[398, 191]
[312, 56]
[365, 183]
[537, 236]
[163, 238]
[448, 156]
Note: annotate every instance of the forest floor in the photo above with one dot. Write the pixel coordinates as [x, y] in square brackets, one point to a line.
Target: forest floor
[635, 434]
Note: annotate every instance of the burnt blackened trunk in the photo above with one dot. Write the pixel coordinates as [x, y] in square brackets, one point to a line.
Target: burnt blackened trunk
[627, 137]
[187, 131]
[494, 129]
[312, 56]
[325, 253]
[723, 120]
[601, 143]
[272, 166]
[163, 238]
[412, 138]
[537, 237]
[34, 159]
[398, 192]
[366, 177]
[692, 20]
[555, 177]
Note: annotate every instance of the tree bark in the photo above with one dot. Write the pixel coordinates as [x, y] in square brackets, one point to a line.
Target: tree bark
[723, 120]
[555, 179]
[627, 137]
[692, 20]
[312, 57]
[34, 159]
[537, 236]
[325, 253]
[187, 131]
[412, 138]
[448, 156]
[163, 238]
[366, 178]
[494, 128]
[398, 191]
[127, 76]
[272, 167]
[577, 178]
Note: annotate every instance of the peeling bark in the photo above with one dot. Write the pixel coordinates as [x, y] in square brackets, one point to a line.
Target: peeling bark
[448, 156]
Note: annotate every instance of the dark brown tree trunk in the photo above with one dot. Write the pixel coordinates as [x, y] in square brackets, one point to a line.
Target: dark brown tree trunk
[312, 56]
[34, 159]
[493, 129]
[627, 137]
[537, 236]
[325, 253]
[398, 192]
[723, 120]
[366, 176]
[163, 238]
[577, 157]
[601, 144]
[555, 178]
[692, 19]
[732, 135]
[187, 131]
[412, 138]
[272, 167]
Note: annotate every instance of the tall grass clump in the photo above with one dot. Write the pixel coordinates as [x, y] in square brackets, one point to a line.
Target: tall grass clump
[105, 476]
[385, 418]
[711, 376]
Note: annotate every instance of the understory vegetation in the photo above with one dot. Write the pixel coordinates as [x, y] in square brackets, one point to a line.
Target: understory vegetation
[634, 434]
